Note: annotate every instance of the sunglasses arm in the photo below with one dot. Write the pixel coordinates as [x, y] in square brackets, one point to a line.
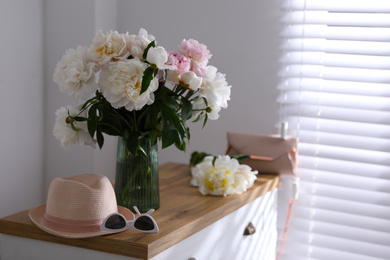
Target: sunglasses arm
[150, 211]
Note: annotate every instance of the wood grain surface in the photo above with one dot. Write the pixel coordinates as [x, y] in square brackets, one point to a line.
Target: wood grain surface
[183, 212]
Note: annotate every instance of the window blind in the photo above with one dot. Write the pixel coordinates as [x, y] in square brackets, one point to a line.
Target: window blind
[335, 96]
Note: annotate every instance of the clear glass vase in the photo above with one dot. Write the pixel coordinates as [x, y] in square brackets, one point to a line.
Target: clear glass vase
[136, 179]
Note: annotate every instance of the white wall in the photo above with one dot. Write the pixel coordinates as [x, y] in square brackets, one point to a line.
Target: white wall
[241, 35]
[21, 105]
[243, 38]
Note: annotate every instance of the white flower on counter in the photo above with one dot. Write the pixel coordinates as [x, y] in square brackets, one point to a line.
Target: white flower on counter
[222, 176]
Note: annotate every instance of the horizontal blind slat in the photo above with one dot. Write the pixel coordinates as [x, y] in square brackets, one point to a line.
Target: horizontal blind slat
[321, 253]
[336, 73]
[371, 116]
[337, 18]
[362, 183]
[336, 100]
[341, 218]
[337, 60]
[337, 32]
[337, 46]
[340, 244]
[358, 142]
[340, 231]
[334, 86]
[338, 126]
[345, 193]
[338, 5]
[345, 154]
[345, 167]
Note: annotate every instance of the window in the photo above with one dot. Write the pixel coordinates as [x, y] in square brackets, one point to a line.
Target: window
[335, 96]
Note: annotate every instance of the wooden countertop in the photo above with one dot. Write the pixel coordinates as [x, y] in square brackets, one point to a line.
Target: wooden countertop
[183, 211]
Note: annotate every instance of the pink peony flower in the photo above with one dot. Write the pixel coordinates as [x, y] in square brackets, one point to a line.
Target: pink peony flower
[197, 52]
[182, 63]
[199, 71]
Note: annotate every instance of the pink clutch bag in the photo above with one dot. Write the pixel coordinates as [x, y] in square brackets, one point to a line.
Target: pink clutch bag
[267, 154]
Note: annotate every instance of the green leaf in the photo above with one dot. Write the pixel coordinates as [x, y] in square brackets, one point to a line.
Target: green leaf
[180, 144]
[152, 44]
[172, 118]
[214, 159]
[240, 157]
[151, 120]
[126, 134]
[109, 129]
[197, 118]
[92, 122]
[153, 136]
[188, 134]
[147, 78]
[73, 127]
[170, 101]
[168, 138]
[205, 101]
[189, 94]
[89, 101]
[80, 119]
[133, 143]
[186, 110]
[100, 138]
[205, 120]
[197, 157]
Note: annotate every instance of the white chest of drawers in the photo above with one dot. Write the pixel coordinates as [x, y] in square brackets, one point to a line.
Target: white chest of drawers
[192, 226]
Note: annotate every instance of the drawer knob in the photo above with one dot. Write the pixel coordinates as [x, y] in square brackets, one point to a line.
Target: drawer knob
[192, 258]
[249, 229]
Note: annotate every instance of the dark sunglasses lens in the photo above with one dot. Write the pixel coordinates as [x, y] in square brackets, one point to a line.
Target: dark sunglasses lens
[144, 223]
[115, 222]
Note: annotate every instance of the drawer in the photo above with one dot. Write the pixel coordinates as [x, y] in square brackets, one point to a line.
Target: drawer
[225, 240]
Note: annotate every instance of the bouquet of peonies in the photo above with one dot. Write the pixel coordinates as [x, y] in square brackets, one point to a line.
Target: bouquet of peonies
[127, 86]
[220, 175]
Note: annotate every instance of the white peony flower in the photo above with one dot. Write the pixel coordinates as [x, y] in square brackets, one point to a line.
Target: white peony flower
[216, 91]
[64, 133]
[74, 75]
[249, 175]
[108, 47]
[158, 56]
[225, 177]
[121, 84]
[173, 76]
[191, 79]
[136, 44]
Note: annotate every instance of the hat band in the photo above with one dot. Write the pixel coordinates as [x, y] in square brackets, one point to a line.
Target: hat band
[73, 226]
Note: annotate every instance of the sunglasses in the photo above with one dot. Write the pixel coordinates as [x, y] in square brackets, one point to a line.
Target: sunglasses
[143, 223]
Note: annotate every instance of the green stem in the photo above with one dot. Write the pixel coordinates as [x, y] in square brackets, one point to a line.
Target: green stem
[113, 127]
[123, 119]
[135, 121]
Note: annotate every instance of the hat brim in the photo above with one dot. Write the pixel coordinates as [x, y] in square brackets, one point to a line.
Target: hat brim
[37, 217]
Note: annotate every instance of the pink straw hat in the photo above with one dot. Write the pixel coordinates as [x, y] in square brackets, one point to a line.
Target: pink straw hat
[76, 206]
